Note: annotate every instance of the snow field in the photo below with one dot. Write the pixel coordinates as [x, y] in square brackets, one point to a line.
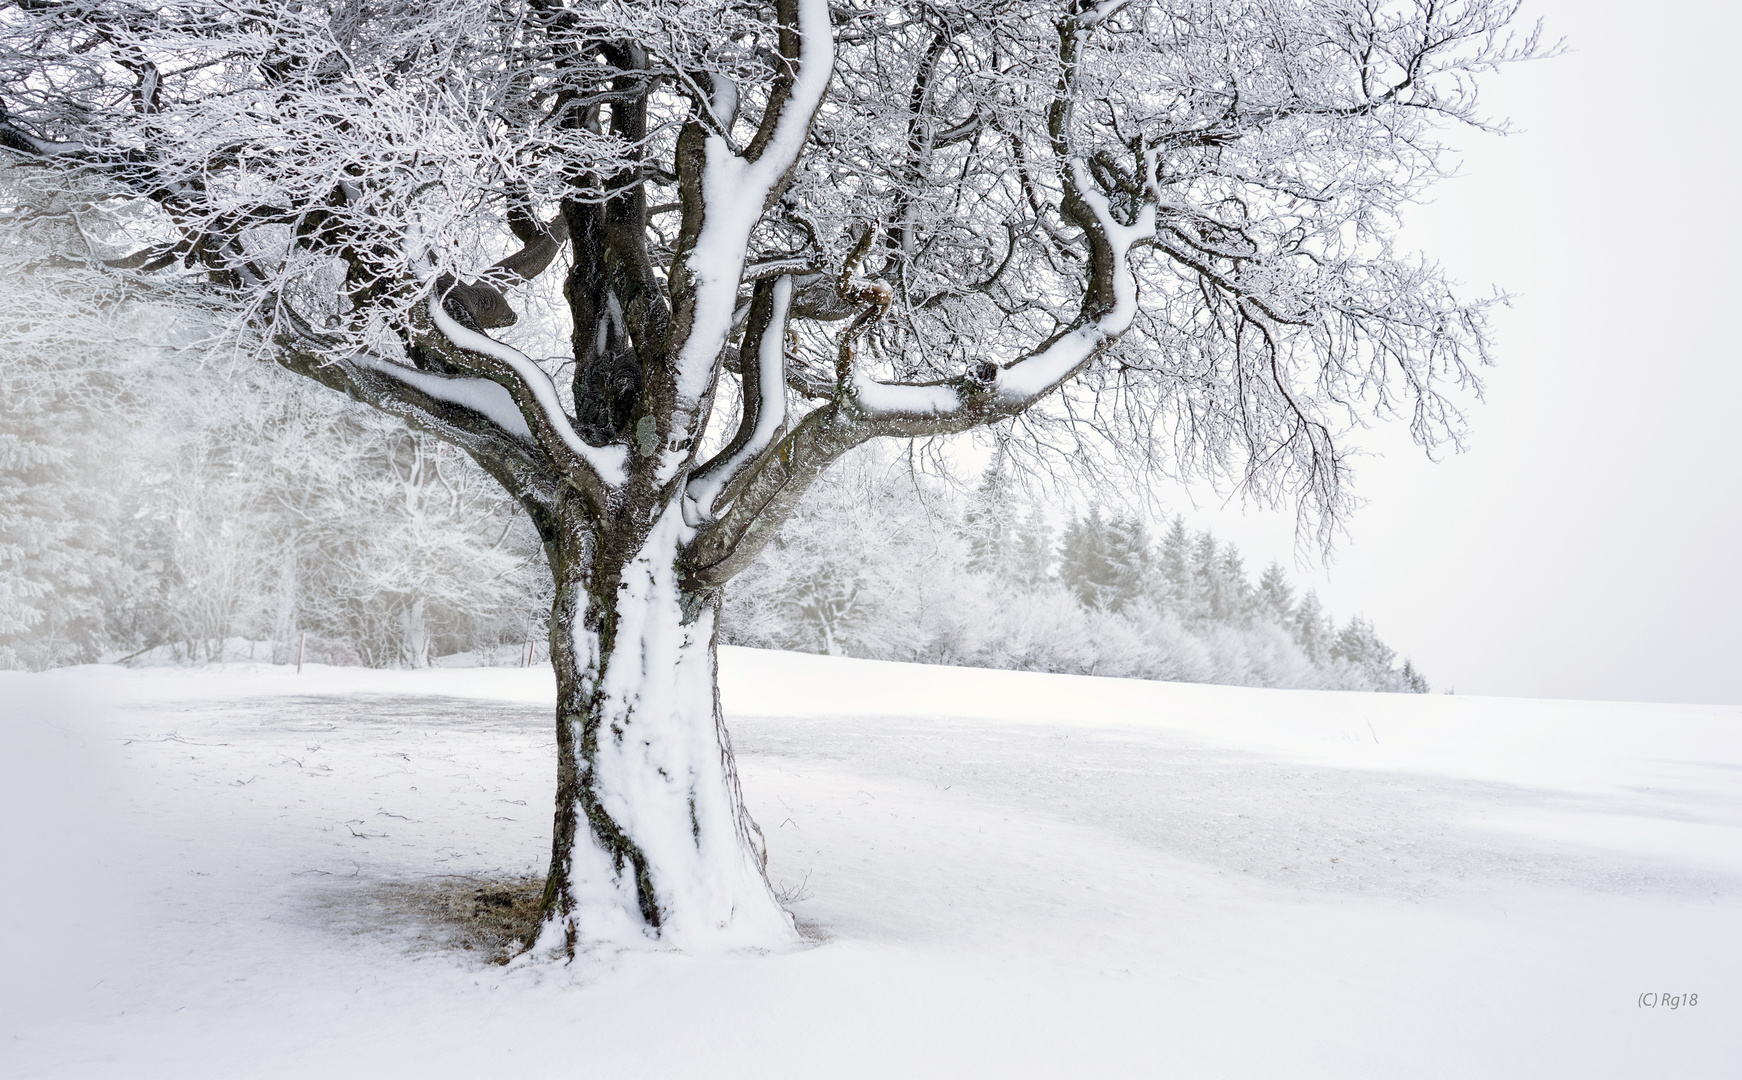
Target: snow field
[1004, 875]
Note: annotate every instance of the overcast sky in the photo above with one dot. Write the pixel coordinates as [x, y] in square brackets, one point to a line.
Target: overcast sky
[1586, 545]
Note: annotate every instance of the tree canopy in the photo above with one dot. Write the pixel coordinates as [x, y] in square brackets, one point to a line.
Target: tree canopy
[1186, 205]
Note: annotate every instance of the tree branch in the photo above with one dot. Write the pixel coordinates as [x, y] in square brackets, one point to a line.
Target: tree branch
[724, 195]
[769, 488]
[591, 469]
[764, 410]
[472, 413]
[766, 496]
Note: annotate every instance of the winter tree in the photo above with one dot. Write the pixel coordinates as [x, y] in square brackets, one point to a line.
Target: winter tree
[1104, 562]
[1275, 596]
[746, 238]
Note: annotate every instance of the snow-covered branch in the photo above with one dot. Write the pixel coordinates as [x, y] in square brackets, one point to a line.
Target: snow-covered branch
[474, 413]
[725, 195]
[770, 484]
[535, 395]
[764, 411]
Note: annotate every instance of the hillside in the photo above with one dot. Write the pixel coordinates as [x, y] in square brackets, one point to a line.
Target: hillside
[239, 871]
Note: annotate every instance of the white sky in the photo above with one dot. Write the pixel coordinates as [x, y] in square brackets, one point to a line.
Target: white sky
[1586, 544]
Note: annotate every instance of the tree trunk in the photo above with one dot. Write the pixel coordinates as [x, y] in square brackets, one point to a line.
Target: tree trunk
[652, 841]
[414, 634]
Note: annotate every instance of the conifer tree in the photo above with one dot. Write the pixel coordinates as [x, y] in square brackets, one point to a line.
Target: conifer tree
[989, 520]
[1031, 551]
[1130, 561]
[1312, 628]
[1358, 646]
[1085, 559]
[1412, 679]
[1275, 599]
[1218, 598]
[1177, 587]
[1234, 592]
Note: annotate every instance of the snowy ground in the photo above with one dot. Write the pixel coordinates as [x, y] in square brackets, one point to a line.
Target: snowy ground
[230, 873]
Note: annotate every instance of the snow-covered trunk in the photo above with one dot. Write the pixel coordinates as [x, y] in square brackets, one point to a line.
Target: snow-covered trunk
[652, 841]
[284, 608]
[414, 635]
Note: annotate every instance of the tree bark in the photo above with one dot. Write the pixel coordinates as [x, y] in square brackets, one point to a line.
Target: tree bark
[652, 841]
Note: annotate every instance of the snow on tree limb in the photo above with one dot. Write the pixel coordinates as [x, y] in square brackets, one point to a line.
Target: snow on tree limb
[725, 195]
[481, 396]
[764, 399]
[1017, 385]
[472, 413]
[534, 393]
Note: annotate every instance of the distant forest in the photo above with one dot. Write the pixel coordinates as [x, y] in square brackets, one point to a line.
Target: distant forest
[982, 580]
[165, 512]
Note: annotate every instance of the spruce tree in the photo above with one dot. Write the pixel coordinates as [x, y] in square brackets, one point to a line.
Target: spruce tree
[1234, 597]
[1312, 629]
[1176, 587]
[1130, 562]
[1085, 561]
[1213, 603]
[1275, 599]
[1358, 646]
[1031, 551]
[1412, 679]
[989, 520]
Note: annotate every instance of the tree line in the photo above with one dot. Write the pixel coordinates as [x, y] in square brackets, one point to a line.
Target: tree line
[883, 564]
[190, 513]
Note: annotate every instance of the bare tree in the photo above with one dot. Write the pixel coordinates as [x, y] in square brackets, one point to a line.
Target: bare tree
[779, 230]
